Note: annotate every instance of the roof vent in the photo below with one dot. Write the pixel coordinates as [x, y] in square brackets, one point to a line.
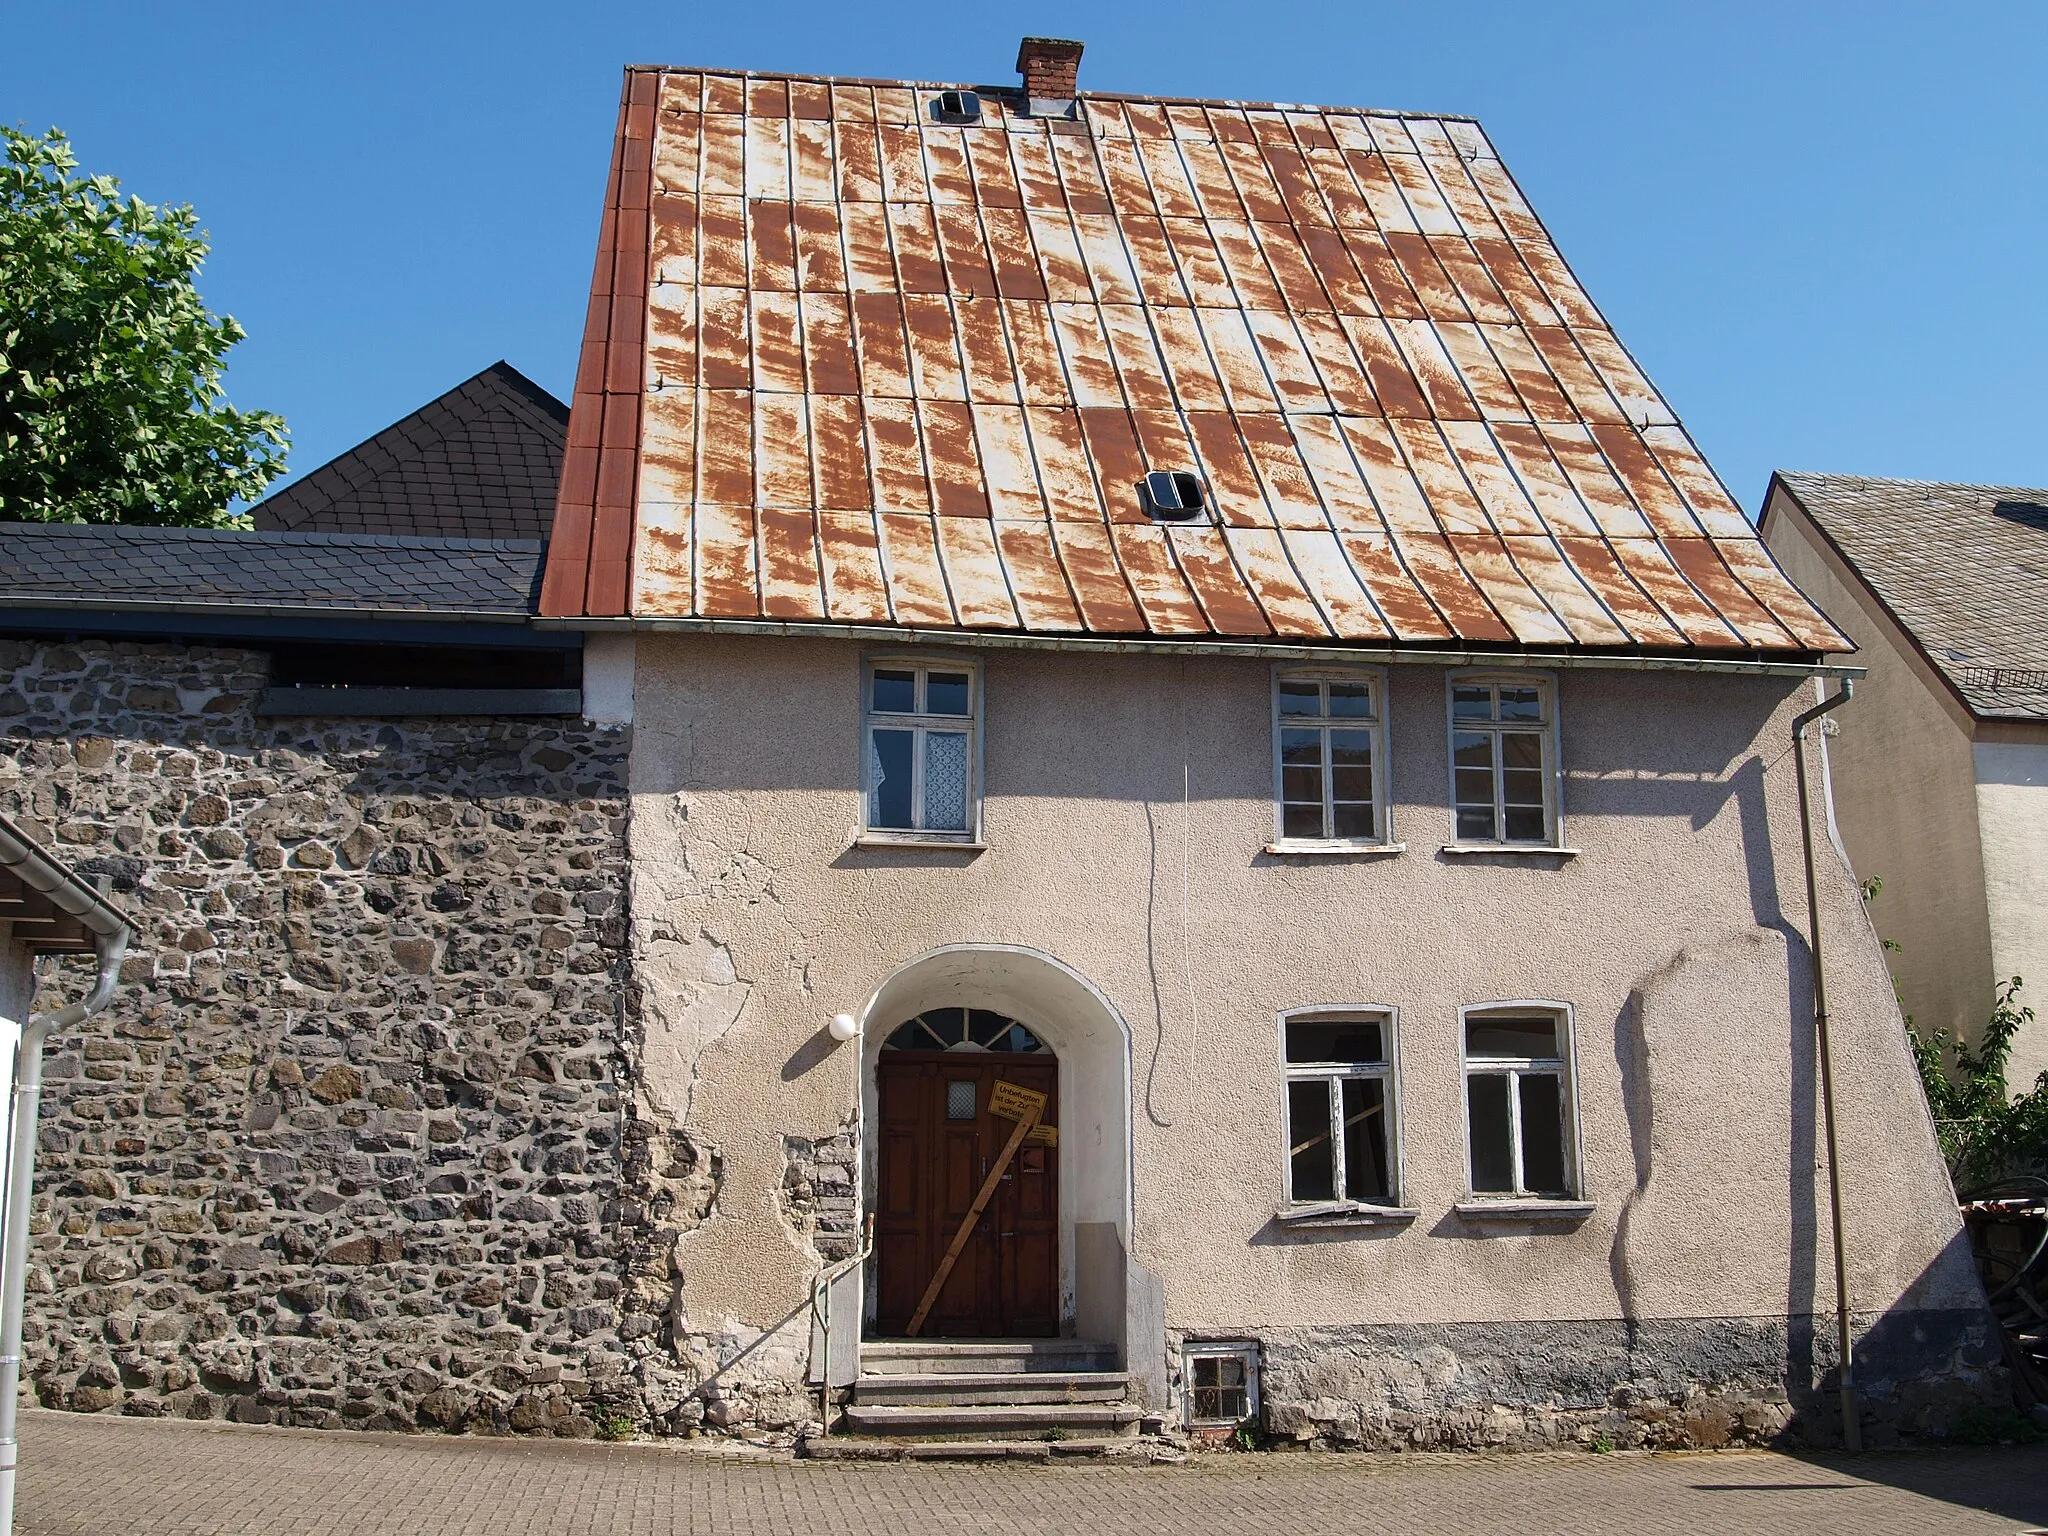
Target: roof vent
[1173, 496]
[1051, 67]
[957, 107]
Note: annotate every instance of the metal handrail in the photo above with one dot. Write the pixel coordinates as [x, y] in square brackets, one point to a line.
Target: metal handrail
[821, 1308]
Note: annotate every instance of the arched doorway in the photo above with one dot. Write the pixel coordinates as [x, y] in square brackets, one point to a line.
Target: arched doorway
[940, 1141]
[1084, 1052]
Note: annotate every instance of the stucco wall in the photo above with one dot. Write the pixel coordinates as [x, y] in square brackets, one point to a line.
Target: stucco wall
[1905, 798]
[2012, 819]
[1116, 785]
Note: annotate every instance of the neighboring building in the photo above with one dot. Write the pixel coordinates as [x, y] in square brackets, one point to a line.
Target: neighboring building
[1941, 770]
[1181, 609]
[480, 462]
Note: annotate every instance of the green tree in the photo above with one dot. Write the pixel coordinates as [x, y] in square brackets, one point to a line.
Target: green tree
[111, 408]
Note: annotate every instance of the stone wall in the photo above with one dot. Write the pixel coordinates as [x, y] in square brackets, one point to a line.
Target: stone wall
[347, 1149]
[1658, 1383]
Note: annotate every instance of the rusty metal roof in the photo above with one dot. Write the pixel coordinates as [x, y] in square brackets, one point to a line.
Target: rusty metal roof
[846, 363]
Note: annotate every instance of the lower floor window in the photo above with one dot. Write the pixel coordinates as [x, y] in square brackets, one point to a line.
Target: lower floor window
[1339, 1092]
[1518, 1105]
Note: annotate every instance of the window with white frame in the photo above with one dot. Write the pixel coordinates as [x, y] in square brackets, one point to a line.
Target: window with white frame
[920, 746]
[1340, 1090]
[1503, 747]
[1222, 1384]
[1519, 1115]
[1329, 747]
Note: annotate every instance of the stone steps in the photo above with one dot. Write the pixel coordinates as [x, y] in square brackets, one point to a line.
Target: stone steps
[990, 1392]
[935, 1357]
[964, 1389]
[993, 1420]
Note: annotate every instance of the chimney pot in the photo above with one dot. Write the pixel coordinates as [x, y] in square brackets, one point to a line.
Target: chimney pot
[1051, 67]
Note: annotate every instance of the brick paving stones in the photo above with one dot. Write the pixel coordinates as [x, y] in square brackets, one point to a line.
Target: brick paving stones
[85, 1474]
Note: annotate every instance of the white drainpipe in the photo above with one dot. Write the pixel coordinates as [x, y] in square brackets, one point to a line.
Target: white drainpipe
[111, 935]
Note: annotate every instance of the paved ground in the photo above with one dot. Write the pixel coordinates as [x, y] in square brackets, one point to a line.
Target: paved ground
[85, 1475]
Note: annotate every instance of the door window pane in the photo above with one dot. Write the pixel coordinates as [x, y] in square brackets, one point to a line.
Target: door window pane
[1365, 1139]
[1493, 1163]
[889, 759]
[945, 781]
[1311, 1157]
[959, 1098]
[1542, 1133]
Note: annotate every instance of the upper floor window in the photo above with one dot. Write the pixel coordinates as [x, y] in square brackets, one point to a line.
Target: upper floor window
[922, 765]
[1340, 1103]
[1503, 760]
[1330, 758]
[1520, 1120]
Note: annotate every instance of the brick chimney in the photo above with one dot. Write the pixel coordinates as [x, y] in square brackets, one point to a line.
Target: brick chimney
[1051, 67]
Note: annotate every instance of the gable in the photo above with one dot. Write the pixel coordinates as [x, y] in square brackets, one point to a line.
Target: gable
[482, 461]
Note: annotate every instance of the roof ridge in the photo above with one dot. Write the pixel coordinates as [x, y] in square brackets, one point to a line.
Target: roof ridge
[1790, 475]
[1018, 92]
[278, 537]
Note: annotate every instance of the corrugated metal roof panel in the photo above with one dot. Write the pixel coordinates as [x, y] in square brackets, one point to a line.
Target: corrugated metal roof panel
[847, 363]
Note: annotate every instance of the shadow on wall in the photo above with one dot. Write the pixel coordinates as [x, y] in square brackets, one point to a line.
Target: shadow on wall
[1929, 1364]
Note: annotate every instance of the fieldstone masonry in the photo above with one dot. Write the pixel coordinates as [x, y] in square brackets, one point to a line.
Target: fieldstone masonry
[347, 1149]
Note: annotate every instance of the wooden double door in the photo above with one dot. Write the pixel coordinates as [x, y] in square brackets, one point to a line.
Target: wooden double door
[938, 1142]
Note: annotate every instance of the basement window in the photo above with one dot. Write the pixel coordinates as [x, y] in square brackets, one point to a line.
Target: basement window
[922, 769]
[1339, 1076]
[1520, 1118]
[396, 680]
[1173, 496]
[1222, 1384]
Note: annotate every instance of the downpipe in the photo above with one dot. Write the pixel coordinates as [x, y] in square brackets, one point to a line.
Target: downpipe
[1852, 1416]
[21, 1172]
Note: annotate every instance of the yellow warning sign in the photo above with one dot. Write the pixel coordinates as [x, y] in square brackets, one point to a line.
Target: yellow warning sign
[1043, 1135]
[1015, 1103]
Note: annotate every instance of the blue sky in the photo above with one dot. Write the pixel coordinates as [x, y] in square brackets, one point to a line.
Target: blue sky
[1819, 226]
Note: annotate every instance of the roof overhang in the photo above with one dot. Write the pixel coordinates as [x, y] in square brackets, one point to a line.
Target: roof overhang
[878, 634]
[50, 909]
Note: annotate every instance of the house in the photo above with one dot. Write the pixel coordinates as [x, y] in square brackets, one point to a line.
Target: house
[1143, 780]
[1184, 614]
[1941, 785]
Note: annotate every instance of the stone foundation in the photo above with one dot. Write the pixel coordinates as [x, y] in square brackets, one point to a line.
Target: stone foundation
[1657, 1384]
[345, 1150]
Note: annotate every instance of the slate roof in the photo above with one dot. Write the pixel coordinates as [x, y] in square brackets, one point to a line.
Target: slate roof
[73, 566]
[1962, 568]
[848, 363]
[480, 462]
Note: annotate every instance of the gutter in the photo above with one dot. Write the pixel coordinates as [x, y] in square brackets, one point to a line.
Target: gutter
[1249, 650]
[1852, 1419]
[24, 858]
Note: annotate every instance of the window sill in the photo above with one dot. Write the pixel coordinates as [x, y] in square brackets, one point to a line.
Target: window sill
[1525, 1210]
[1516, 850]
[913, 840]
[1345, 1215]
[1323, 850]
